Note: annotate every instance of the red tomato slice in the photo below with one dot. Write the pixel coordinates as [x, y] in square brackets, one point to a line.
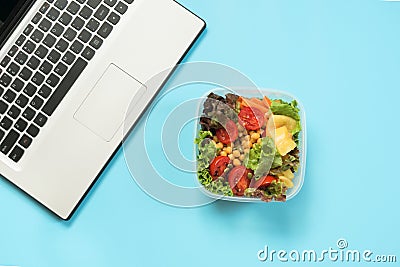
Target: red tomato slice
[263, 181]
[228, 134]
[238, 180]
[251, 118]
[218, 165]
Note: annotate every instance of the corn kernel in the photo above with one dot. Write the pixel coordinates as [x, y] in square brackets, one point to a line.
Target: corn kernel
[220, 145]
[223, 153]
[255, 136]
[228, 150]
[215, 139]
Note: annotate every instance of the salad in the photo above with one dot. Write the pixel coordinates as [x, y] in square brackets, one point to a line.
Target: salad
[248, 147]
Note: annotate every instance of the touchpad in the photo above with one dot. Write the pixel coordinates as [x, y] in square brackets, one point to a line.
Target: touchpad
[105, 107]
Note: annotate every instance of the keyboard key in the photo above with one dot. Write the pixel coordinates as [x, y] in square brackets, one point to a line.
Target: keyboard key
[84, 36]
[65, 19]
[57, 29]
[9, 141]
[96, 42]
[9, 96]
[68, 58]
[21, 39]
[38, 78]
[41, 52]
[13, 112]
[25, 74]
[2, 134]
[52, 80]
[121, 8]
[33, 130]
[37, 36]
[69, 34]
[20, 125]
[3, 107]
[44, 7]
[13, 69]
[36, 102]
[44, 91]
[5, 80]
[21, 58]
[128, 1]
[88, 53]
[105, 30]
[5, 61]
[1, 90]
[22, 101]
[28, 29]
[102, 12]
[61, 4]
[30, 89]
[81, 1]
[13, 50]
[92, 25]
[60, 69]
[111, 3]
[45, 25]
[40, 120]
[17, 85]
[86, 12]
[78, 23]
[33, 62]
[6, 123]
[93, 3]
[53, 14]
[16, 154]
[29, 47]
[36, 18]
[28, 114]
[61, 45]
[64, 86]
[76, 47]
[73, 8]
[49, 41]
[25, 141]
[54, 56]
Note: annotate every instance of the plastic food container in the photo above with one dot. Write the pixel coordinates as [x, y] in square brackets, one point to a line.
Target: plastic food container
[298, 180]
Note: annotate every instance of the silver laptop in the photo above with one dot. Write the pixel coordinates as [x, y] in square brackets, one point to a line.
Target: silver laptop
[69, 69]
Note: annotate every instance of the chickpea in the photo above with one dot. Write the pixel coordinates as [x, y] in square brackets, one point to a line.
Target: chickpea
[223, 153]
[247, 137]
[240, 134]
[245, 144]
[241, 157]
[228, 150]
[236, 162]
[246, 151]
[255, 136]
[236, 153]
[220, 145]
[231, 157]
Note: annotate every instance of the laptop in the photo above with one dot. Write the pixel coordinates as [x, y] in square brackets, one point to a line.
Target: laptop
[69, 69]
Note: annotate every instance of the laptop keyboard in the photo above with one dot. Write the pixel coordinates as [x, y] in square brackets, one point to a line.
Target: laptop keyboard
[44, 63]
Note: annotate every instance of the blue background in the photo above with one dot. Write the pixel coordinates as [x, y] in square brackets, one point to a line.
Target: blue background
[342, 59]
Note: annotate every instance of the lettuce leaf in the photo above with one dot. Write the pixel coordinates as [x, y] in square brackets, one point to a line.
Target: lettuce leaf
[204, 176]
[261, 157]
[202, 135]
[219, 187]
[287, 109]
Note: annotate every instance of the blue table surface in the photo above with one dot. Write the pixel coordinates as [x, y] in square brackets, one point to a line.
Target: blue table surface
[341, 59]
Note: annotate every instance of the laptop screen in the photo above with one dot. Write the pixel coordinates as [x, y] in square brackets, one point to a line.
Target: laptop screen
[11, 11]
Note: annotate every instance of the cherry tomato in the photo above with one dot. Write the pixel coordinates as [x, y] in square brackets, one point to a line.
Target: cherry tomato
[228, 134]
[218, 165]
[238, 180]
[251, 118]
[263, 181]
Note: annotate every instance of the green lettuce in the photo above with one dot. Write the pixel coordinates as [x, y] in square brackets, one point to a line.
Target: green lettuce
[287, 109]
[261, 157]
[219, 187]
[202, 135]
[204, 176]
